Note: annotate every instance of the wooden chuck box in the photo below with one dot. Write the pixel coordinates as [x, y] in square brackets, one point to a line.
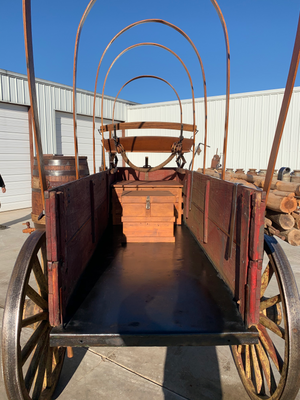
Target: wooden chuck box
[148, 216]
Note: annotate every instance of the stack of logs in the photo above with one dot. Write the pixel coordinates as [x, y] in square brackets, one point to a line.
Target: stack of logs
[283, 205]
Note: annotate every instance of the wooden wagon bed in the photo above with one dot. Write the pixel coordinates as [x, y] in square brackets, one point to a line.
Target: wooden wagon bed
[193, 291]
[152, 294]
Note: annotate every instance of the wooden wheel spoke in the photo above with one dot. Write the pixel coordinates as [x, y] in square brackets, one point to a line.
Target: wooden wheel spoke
[43, 316]
[247, 362]
[33, 340]
[49, 367]
[269, 347]
[267, 323]
[39, 276]
[31, 372]
[39, 382]
[265, 363]
[270, 302]
[265, 279]
[56, 355]
[257, 371]
[36, 298]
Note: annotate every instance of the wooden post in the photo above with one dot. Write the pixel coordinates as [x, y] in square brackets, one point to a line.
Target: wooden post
[284, 110]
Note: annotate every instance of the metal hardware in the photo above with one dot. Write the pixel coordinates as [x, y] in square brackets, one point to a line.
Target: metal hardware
[42, 214]
[283, 171]
[148, 203]
[197, 151]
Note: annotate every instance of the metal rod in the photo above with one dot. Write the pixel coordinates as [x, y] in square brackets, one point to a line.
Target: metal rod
[146, 76]
[83, 18]
[283, 111]
[156, 45]
[216, 5]
[160, 21]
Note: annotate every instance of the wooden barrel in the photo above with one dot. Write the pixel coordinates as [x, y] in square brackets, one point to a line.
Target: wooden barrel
[59, 169]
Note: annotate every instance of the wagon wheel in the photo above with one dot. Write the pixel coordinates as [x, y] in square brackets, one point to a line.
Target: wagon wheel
[31, 367]
[271, 368]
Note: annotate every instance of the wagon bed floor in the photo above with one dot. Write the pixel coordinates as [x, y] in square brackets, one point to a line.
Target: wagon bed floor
[152, 294]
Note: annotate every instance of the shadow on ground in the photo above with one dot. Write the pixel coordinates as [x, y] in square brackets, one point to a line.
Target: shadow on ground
[69, 368]
[193, 373]
[16, 221]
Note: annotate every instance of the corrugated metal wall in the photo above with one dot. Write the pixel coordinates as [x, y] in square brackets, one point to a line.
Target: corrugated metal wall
[252, 120]
[252, 123]
[54, 97]
[56, 122]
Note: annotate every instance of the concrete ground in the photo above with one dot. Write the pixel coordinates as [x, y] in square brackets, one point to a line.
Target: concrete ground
[172, 373]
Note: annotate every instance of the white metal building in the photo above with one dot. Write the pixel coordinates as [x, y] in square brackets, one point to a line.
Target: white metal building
[252, 123]
[55, 117]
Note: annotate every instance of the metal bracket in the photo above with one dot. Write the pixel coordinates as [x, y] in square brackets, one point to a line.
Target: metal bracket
[283, 171]
[148, 203]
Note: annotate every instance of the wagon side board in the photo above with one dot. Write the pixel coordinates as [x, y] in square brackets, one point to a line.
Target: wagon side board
[227, 221]
[76, 216]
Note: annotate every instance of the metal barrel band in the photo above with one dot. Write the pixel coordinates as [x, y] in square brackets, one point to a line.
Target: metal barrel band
[61, 173]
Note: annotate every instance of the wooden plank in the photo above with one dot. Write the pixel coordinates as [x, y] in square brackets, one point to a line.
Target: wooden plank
[216, 246]
[140, 196]
[147, 184]
[151, 144]
[53, 236]
[149, 125]
[148, 229]
[206, 211]
[151, 239]
[242, 256]
[256, 244]
[156, 210]
[147, 219]
[254, 286]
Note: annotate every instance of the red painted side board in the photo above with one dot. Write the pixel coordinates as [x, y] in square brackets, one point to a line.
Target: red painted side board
[52, 237]
[257, 226]
[206, 211]
[254, 283]
[77, 214]
[211, 224]
[256, 247]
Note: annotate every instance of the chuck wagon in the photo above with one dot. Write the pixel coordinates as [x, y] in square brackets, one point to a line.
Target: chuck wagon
[149, 256]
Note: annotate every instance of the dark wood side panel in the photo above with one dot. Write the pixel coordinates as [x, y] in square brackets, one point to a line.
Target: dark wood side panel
[77, 214]
[216, 218]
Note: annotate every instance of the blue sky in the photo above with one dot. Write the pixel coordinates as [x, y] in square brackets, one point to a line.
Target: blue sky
[261, 35]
